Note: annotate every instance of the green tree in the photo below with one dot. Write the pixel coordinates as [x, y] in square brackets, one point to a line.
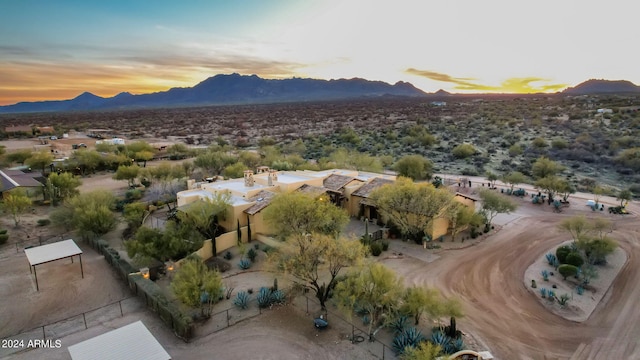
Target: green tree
[460, 217]
[494, 204]
[39, 160]
[19, 156]
[410, 206]
[90, 213]
[375, 289]
[624, 195]
[544, 167]
[567, 270]
[463, 151]
[16, 202]
[178, 151]
[515, 150]
[203, 215]
[87, 160]
[417, 300]
[553, 185]
[127, 172]
[134, 214]
[577, 226]
[194, 282]
[234, 171]
[174, 243]
[143, 156]
[539, 143]
[214, 162]
[315, 258]
[299, 214]
[492, 178]
[63, 185]
[415, 167]
[514, 178]
[425, 351]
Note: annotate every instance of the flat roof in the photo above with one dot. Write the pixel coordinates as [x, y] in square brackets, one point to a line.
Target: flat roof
[236, 185]
[130, 342]
[51, 252]
[291, 178]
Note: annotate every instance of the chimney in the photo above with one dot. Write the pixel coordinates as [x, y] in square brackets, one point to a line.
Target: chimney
[274, 174]
[269, 180]
[248, 178]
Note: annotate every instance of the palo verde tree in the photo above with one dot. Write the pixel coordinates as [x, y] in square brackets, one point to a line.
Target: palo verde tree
[553, 185]
[39, 160]
[16, 202]
[213, 162]
[62, 186]
[175, 242]
[415, 167]
[494, 203]
[624, 195]
[204, 214]
[194, 284]
[374, 289]
[298, 214]
[492, 178]
[460, 217]
[90, 213]
[127, 172]
[425, 351]
[410, 206]
[316, 260]
[544, 167]
[514, 178]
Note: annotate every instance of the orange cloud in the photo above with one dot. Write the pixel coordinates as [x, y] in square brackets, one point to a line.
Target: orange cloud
[511, 85]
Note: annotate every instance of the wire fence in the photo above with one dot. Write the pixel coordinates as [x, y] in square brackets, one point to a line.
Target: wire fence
[358, 333]
[69, 325]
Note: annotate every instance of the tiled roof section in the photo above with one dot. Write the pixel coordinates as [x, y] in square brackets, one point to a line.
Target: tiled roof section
[15, 178]
[335, 182]
[311, 190]
[262, 199]
[366, 189]
[473, 198]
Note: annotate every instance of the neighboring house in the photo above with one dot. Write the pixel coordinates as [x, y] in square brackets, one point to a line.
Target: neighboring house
[45, 130]
[360, 205]
[17, 130]
[440, 225]
[13, 179]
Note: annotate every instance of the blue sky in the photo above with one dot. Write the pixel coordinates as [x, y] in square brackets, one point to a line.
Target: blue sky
[58, 49]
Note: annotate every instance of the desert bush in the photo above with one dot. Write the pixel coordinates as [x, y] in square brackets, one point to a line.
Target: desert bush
[463, 151]
[575, 259]
[376, 248]
[44, 222]
[563, 299]
[133, 194]
[385, 245]
[252, 254]
[3, 236]
[562, 252]
[567, 270]
[228, 255]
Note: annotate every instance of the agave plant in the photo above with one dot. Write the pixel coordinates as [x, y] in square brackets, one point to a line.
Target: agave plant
[440, 338]
[545, 275]
[398, 324]
[551, 258]
[563, 299]
[264, 297]
[543, 292]
[244, 264]
[277, 297]
[242, 300]
[580, 290]
[408, 337]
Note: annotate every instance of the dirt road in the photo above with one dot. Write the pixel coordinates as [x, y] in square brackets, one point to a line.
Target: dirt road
[488, 277]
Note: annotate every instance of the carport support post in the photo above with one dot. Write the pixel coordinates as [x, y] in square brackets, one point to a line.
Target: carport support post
[81, 270]
[36, 274]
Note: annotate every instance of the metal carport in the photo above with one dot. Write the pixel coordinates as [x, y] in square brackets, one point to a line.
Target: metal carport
[52, 252]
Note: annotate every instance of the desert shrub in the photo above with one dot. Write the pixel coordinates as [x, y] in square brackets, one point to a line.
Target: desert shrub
[244, 264]
[3, 236]
[228, 255]
[574, 259]
[242, 300]
[252, 254]
[567, 270]
[463, 151]
[563, 299]
[44, 222]
[562, 252]
[376, 248]
[133, 194]
[385, 245]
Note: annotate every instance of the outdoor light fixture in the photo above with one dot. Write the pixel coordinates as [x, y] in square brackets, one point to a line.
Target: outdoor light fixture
[144, 272]
[169, 265]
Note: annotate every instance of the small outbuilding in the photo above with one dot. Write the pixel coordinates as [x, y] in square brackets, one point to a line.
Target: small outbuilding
[130, 342]
[51, 252]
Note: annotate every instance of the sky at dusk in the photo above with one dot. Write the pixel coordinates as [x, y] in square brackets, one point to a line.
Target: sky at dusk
[51, 50]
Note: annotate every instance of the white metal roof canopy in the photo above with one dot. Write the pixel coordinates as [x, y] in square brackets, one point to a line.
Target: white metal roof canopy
[52, 252]
[130, 342]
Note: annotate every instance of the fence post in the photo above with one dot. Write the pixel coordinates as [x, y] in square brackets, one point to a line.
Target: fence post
[85, 321]
[120, 303]
[307, 304]
[44, 336]
[228, 318]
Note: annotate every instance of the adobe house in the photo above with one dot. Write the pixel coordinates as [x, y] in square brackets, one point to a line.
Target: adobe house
[440, 225]
[337, 185]
[359, 203]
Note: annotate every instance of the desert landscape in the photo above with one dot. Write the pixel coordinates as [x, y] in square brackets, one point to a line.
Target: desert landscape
[489, 275]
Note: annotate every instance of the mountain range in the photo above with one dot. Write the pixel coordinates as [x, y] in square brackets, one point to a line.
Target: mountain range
[251, 89]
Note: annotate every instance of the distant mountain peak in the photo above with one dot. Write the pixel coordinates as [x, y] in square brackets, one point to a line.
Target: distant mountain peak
[442, 93]
[601, 86]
